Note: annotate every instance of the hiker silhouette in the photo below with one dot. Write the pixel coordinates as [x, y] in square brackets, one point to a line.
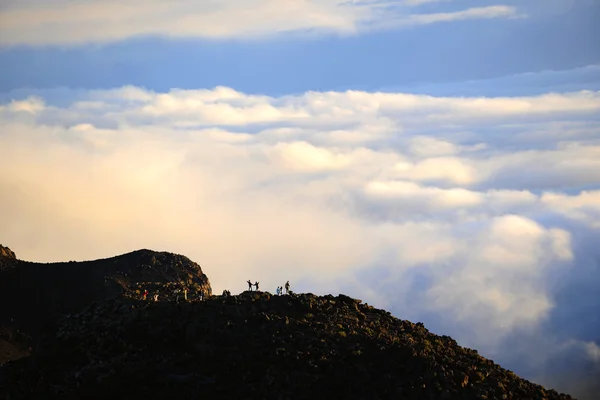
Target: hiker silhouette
[249, 285]
[256, 285]
[287, 287]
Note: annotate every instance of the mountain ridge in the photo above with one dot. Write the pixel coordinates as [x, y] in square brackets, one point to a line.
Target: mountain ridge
[256, 345]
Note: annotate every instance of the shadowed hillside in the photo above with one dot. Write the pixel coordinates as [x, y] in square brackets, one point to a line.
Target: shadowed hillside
[34, 295]
[255, 346]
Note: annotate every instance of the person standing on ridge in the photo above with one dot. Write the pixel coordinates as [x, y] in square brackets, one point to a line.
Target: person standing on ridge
[249, 285]
[256, 285]
[287, 287]
[277, 291]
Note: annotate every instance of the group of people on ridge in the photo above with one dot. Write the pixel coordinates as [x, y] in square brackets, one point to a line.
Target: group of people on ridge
[279, 290]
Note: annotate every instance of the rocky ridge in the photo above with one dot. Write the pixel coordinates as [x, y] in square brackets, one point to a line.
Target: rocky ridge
[7, 258]
[34, 295]
[255, 345]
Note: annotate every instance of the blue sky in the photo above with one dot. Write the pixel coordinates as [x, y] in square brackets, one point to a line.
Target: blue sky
[437, 158]
[406, 58]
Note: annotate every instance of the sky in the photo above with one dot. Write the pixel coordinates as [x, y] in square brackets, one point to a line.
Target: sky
[436, 158]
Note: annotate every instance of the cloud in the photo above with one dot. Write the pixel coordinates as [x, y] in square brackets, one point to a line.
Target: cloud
[428, 146]
[472, 214]
[570, 80]
[54, 22]
[421, 2]
[31, 105]
[471, 13]
[584, 207]
[503, 294]
[451, 169]
[306, 157]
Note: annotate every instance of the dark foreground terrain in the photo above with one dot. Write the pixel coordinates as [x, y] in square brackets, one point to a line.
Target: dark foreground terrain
[33, 296]
[255, 345]
[82, 330]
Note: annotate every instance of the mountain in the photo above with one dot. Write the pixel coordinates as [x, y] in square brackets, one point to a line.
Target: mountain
[34, 295]
[255, 346]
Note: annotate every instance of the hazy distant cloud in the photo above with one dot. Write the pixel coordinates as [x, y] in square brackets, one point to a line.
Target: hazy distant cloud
[570, 80]
[471, 13]
[420, 2]
[64, 22]
[457, 211]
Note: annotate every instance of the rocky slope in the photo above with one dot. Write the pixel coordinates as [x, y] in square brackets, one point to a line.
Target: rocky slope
[255, 345]
[34, 295]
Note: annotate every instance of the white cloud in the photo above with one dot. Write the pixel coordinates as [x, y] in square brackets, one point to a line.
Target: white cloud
[64, 22]
[471, 13]
[424, 146]
[422, 198]
[452, 169]
[584, 207]
[304, 156]
[31, 105]
[496, 283]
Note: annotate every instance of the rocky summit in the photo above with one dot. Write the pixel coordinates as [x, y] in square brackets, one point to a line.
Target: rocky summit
[33, 296]
[7, 258]
[254, 346]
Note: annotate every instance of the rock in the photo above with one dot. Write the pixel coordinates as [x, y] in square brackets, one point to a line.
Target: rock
[6, 252]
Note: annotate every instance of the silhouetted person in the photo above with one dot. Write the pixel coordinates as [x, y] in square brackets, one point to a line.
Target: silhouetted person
[287, 287]
[277, 291]
[249, 285]
[256, 285]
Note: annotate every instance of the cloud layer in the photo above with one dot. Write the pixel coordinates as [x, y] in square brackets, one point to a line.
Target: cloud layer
[471, 214]
[45, 22]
